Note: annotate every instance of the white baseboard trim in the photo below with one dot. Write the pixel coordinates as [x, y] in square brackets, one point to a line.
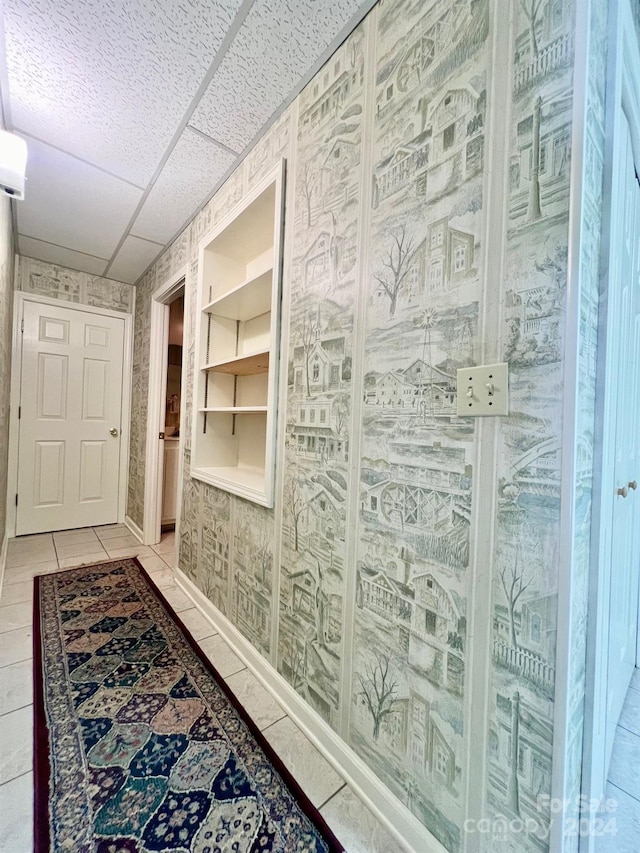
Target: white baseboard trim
[386, 807]
[133, 527]
[3, 559]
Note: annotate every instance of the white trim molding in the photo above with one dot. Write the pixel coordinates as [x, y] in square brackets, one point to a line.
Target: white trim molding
[154, 462]
[3, 560]
[133, 528]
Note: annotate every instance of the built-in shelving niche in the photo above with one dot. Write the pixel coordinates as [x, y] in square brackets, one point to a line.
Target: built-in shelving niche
[237, 341]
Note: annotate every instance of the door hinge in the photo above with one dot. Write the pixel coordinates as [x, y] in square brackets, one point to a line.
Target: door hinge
[160, 435]
[16, 500]
[19, 412]
[22, 325]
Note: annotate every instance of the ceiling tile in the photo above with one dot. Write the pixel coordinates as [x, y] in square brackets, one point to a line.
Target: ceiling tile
[30, 248]
[110, 82]
[72, 204]
[277, 45]
[187, 180]
[134, 257]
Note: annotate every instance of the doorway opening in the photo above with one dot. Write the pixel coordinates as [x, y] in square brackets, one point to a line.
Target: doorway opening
[173, 397]
[165, 421]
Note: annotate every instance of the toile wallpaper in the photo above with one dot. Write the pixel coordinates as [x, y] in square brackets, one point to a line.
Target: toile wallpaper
[358, 585]
[58, 282]
[6, 323]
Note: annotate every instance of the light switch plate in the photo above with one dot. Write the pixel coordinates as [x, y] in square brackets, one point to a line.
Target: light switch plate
[483, 390]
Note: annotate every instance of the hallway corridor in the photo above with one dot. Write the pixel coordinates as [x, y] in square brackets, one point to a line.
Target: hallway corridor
[28, 556]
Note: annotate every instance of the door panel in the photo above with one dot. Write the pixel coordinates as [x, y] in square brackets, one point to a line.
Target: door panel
[52, 385]
[95, 389]
[92, 459]
[49, 473]
[71, 396]
[624, 568]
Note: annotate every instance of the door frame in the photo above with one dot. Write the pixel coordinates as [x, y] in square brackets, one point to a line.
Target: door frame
[20, 298]
[154, 459]
[623, 94]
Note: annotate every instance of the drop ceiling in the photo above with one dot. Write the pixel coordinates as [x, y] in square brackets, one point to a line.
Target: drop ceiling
[135, 111]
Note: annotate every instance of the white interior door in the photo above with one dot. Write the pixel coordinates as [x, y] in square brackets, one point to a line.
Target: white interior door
[624, 568]
[70, 419]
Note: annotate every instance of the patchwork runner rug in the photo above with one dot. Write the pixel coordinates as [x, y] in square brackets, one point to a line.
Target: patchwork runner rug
[140, 746]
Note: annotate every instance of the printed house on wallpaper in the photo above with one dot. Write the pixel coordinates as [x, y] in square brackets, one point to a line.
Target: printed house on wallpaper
[320, 364]
[338, 165]
[325, 516]
[426, 619]
[313, 437]
[444, 154]
[449, 257]
[442, 39]
[421, 388]
[324, 100]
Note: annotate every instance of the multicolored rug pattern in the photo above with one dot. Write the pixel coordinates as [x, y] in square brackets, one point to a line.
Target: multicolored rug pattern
[139, 745]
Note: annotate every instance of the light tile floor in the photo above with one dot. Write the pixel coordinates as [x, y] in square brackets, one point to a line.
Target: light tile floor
[621, 834]
[355, 826]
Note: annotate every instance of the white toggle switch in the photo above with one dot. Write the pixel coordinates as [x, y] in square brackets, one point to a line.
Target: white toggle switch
[487, 390]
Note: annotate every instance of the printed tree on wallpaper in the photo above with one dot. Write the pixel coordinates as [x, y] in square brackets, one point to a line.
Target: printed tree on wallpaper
[513, 584]
[395, 267]
[309, 185]
[307, 335]
[295, 505]
[378, 690]
[532, 10]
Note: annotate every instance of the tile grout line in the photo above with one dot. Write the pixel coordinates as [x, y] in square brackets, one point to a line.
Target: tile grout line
[19, 708]
[19, 776]
[22, 660]
[285, 717]
[328, 800]
[627, 729]
[613, 785]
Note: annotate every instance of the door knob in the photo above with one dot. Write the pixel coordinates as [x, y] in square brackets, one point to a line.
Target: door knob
[633, 485]
[113, 431]
[623, 492]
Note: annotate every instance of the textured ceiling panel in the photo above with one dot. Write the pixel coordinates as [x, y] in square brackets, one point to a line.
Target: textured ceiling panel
[188, 178]
[31, 248]
[134, 257]
[72, 204]
[276, 46]
[110, 81]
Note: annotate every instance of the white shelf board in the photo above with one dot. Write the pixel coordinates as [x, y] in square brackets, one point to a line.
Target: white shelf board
[246, 482]
[241, 365]
[247, 300]
[237, 410]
